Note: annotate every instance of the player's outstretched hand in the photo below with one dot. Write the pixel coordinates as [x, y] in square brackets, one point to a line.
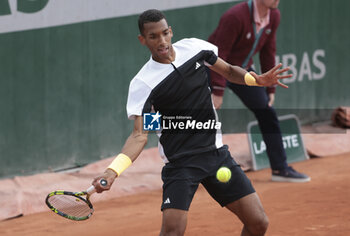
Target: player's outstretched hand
[109, 175]
[272, 76]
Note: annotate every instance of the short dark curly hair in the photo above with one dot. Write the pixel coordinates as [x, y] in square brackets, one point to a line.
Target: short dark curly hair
[151, 15]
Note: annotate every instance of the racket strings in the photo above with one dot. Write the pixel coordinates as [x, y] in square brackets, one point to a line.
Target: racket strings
[70, 205]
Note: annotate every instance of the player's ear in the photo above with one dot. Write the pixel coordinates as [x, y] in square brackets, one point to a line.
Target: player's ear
[141, 39]
[171, 31]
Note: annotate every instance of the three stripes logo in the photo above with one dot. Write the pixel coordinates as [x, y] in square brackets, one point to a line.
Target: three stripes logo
[197, 65]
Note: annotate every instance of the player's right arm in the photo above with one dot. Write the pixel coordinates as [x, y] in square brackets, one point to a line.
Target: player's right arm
[136, 141]
[130, 151]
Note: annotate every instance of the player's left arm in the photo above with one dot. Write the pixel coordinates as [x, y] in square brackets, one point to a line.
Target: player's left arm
[238, 75]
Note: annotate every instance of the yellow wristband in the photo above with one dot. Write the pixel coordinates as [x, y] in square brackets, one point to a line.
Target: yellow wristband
[120, 163]
[250, 80]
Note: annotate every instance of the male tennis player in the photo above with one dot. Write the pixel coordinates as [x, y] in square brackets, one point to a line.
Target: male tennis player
[174, 80]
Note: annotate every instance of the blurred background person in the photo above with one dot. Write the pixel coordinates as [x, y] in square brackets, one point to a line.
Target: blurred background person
[244, 30]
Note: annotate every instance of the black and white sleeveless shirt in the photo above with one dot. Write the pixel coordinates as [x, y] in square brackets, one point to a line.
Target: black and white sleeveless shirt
[180, 93]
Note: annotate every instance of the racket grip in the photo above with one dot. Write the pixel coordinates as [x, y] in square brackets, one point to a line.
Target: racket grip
[91, 190]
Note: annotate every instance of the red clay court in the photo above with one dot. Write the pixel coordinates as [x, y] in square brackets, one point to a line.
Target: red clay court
[318, 208]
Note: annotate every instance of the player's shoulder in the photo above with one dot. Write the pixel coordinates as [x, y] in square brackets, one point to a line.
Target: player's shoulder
[142, 75]
[138, 83]
[151, 74]
[189, 41]
[144, 69]
[195, 43]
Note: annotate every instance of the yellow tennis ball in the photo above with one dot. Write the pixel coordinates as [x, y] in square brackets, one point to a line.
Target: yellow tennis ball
[223, 174]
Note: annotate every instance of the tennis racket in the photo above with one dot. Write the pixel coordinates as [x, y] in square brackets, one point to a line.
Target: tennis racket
[72, 205]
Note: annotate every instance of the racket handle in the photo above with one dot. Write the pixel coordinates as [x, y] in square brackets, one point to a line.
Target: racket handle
[92, 189]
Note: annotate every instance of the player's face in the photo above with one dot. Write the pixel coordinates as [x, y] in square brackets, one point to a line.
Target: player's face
[272, 4]
[157, 37]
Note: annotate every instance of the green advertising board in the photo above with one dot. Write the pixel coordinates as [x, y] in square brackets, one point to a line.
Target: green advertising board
[292, 142]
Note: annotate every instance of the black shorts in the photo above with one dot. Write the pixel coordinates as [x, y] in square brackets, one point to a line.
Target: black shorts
[182, 177]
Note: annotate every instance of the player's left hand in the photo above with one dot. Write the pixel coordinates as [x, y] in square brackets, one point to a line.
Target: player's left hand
[272, 76]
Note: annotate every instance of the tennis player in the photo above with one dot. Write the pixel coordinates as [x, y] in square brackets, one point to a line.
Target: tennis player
[174, 81]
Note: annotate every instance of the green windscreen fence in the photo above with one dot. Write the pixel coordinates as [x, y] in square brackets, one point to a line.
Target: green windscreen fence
[63, 88]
